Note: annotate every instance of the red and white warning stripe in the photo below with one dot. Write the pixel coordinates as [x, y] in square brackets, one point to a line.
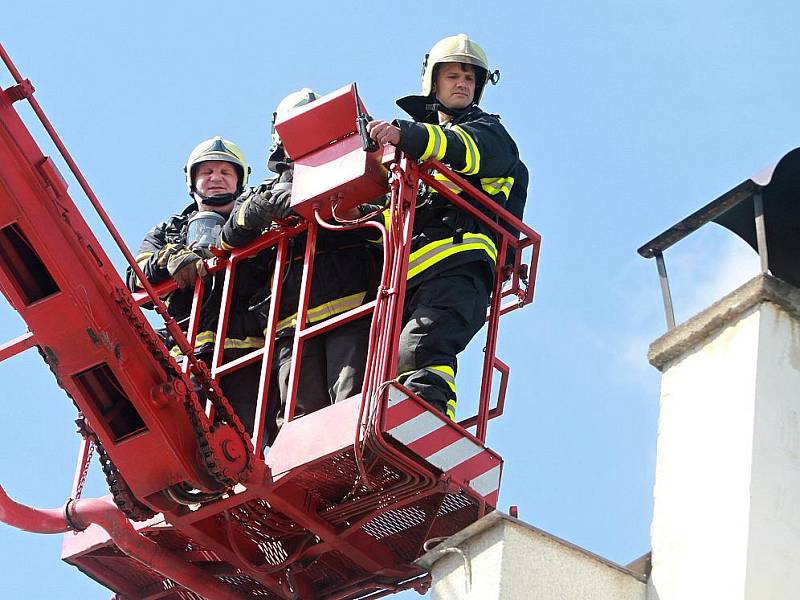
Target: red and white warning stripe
[443, 444]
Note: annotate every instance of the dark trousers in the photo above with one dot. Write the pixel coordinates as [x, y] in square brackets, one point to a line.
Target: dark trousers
[240, 387]
[441, 315]
[332, 367]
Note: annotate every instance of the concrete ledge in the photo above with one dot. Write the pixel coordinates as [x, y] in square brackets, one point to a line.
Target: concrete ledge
[502, 558]
[493, 518]
[688, 335]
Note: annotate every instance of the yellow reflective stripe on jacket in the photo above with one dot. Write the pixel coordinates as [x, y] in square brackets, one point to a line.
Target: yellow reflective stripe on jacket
[240, 212]
[437, 143]
[325, 310]
[472, 155]
[495, 185]
[437, 251]
[448, 184]
[141, 260]
[248, 342]
[209, 337]
[446, 373]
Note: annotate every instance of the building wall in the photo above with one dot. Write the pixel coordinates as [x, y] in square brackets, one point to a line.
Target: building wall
[774, 532]
[726, 520]
[704, 451]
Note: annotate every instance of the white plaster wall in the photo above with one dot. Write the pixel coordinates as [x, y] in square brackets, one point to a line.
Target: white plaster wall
[542, 568]
[702, 490]
[485, 552]
[511, 562]
[773, 569]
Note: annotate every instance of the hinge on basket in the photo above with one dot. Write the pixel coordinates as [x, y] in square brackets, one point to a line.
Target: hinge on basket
[20, 91]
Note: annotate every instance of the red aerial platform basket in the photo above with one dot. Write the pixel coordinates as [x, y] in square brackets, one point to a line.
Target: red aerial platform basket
[346, 498]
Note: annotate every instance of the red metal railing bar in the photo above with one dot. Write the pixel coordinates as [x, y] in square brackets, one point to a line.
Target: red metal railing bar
[302, 315]
[17, 345]
[337, 320]
[500, 366]
[222, 321]
[490, 349]
[238, 363]
[259, 437]
[479, 197]
[194, 321]
[407, 173]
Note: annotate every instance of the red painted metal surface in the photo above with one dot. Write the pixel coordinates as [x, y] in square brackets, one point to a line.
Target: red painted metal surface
[344, 500]
[102, 512]
[331, 171]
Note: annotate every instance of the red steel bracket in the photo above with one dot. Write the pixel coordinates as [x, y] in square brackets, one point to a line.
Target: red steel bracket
[20, 91]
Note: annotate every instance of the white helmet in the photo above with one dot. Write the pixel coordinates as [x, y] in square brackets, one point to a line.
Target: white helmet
[287, 105]
[458, 49]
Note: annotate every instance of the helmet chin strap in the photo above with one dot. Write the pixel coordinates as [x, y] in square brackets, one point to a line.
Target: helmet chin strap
[436, 105]
[218, 200]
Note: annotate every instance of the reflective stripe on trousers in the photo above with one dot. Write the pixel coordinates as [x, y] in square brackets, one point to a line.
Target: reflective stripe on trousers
[446, 373]
[325, 310]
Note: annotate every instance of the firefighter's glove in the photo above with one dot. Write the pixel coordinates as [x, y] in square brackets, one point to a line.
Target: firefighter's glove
[183, 265]
[261, 207]
[282, 195]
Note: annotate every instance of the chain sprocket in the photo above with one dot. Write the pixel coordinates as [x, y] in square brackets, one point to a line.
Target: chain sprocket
[224, 446]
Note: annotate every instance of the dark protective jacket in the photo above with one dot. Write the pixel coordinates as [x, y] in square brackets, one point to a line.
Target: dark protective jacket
[245, 326]
[478, 147]
[346, 266]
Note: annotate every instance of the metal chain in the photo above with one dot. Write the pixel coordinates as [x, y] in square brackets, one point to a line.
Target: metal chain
[85, 472]
[219, 470]
[204, 432]
[120, 491]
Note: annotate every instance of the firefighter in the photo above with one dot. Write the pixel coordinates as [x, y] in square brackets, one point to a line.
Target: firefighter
[346, 272]
[216, 173]
[453, 256]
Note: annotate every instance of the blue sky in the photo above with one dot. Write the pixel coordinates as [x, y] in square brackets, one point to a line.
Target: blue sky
[630, 115]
